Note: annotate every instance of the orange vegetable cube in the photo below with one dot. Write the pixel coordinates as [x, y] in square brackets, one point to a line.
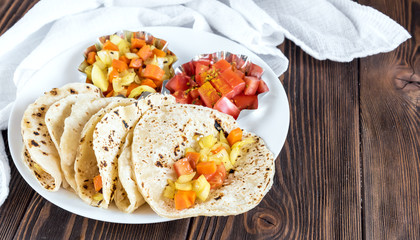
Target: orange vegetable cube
[184, 199]
[135, 63]
[153, 72]
[137, 43]
[193, 158]
[206, 167]
[145, 52]
[124, 59]
[159, 53]
[108, 45]
[91, 58]
[131, 87]
[234, 136]
[183, 167]
[148, 82]
[119, 65]
[113, 74]
[97, 183]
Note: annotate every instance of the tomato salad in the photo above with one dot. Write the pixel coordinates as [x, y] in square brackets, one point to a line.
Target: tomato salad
[229, 83]
[128, 64]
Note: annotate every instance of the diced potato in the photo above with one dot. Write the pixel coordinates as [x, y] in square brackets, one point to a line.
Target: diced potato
[204, 152]
[187, 150]
[215, 159]
[224, 157]
[88, 71]
[242, 143]
[114, 55]
[185, 178]
[169, 192]
[171, 183]
[98, 197]
[99, 78]
[117, 84]
[131, 55]
[183, 186]
[115, 39]
[128, 78]
[99, 63]
[201, 188]
[207, 141]
[136, 92]
[105, 57]
[123, 46]
[234, 155]
[222, 137]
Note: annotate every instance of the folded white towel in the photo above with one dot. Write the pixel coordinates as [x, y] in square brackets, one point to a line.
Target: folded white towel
[339, 30]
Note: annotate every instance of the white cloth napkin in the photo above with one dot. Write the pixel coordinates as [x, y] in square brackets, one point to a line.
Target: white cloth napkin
[339, 30]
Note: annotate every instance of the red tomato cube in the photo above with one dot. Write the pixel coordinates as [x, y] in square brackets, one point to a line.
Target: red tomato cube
[224, 105]
[183, 167]
[262, 88]
[182, 97]
[255, 71]
[240, 73]
[223, 87]
[208, 94]
[222, 65]
[251, 85]
[200, 73]
[189, 68]
[178, 83]
[246, 102]
[194, 93]
[234, 80]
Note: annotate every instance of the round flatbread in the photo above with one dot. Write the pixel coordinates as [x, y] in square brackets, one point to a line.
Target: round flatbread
[36, 137]
[160, 139]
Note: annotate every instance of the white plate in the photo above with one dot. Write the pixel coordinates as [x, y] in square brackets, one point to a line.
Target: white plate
[270, 120]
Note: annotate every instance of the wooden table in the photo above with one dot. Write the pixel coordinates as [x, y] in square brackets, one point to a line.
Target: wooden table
[349, 167]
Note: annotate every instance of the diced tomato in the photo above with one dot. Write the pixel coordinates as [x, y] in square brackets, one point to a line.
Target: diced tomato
[183, 167]
[255, 70]
[178, 83]
[234, 136]
[262, 88]
[184, 199]
[194, 93]
[245, 102]
[182, 97]
[216, 180]
[206, 167]
[233, 80]
[223, 87]
[203, 61]
[200, 74]
[251, 85]
[193, 158]
[224, 105]
[208, 94]
[222, 65]
[198, 102]
[240, 73]
[189, 68]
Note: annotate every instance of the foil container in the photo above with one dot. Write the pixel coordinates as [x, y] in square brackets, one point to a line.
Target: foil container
[127, 35]
[242, 62]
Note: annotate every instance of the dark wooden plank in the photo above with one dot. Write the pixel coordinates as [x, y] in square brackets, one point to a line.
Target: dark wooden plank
[13, 209]
[11, 11]
[316, 193]
[390, 123]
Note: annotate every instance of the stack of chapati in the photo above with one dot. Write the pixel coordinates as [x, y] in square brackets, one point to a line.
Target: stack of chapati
[72, 134]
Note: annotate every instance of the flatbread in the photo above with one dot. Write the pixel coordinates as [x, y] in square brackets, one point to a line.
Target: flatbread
[36, 137]
[161, 137]
[127, 196]
[80, 114]
[86, 165]
[112, 130]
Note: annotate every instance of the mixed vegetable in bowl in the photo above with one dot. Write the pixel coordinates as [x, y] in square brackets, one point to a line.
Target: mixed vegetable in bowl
[128, 63]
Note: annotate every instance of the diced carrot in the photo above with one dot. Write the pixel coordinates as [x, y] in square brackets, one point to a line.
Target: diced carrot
[183, 167]
[113, 74]
[110, 93]
[153, 72]
[119, 65]
[158, 52]
[158, 83]
[206, 167]
[91, 58]
[108, 45]
[193, 158]
[145, 52]
[131, 87]
[234, 136]
[97, 183]
[124, 59]
[135, 63]
[184, 199]
[134, 50]
[215, 151]
[137, 43]
[148, 82]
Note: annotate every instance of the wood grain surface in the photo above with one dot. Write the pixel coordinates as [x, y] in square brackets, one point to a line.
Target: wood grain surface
[350, 167]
